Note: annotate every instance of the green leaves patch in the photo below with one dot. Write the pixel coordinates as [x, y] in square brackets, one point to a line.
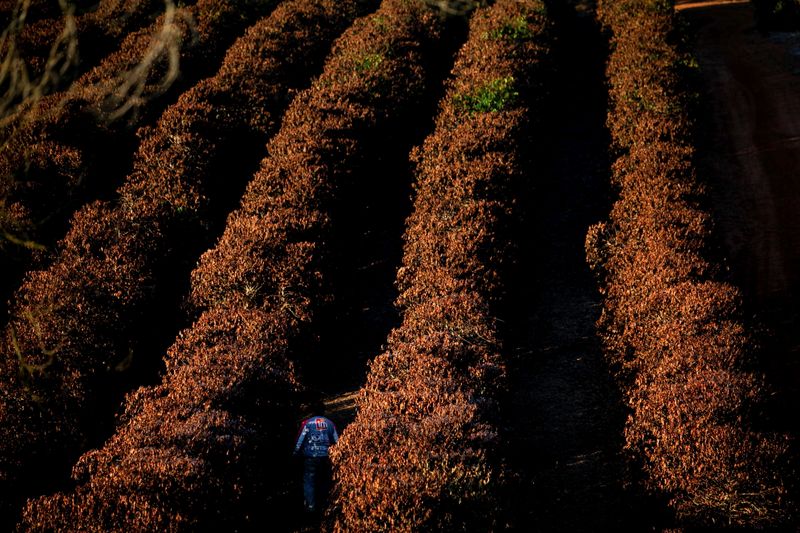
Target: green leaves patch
[494, 96]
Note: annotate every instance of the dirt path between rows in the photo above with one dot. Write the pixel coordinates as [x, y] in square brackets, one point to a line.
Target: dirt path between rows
[751, 152]
[567, 417]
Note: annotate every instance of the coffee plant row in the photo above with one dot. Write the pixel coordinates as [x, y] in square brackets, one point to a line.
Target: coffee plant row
[424, 451]
[75, 147]
[36, 10]
[76, 322]
[97, 32]
[672, 325]
[206, 448]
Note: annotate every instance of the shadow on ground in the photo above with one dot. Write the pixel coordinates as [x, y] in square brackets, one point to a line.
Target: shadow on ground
[567, 417]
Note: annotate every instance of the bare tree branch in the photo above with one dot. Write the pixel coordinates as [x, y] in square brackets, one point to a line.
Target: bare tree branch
[21, 91]
[136, 86]
[454, 7]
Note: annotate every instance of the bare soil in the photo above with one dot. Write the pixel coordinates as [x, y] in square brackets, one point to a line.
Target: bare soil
[567, 416]
[750, 150]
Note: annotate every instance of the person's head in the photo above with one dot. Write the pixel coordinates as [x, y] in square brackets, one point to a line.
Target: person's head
[314, 407]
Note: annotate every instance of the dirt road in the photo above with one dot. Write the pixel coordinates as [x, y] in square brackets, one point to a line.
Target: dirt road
[755, 127]
[751, 151]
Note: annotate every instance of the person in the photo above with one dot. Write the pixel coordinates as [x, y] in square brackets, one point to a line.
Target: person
[317, 434]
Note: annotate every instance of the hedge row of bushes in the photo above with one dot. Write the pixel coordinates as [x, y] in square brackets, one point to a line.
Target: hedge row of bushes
[423, 453]
[69, 149]
[672, 326]
[203, 449]
[98, 31]
[100, 296]
[37, 10]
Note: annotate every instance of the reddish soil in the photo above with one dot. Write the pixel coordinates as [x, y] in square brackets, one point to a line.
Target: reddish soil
[751, 152]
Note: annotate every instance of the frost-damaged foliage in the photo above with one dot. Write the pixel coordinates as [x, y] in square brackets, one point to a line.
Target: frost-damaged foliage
[672, 326]
[99, 297]
[47, 169]
[203, 449]
[95, 34]
[423, 452]
[36, 10]
[50, 43]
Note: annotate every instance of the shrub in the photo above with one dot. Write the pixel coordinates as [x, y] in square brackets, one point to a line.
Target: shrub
[205, 448]
[47, 171]
[673, 328]
[100, 297]
[97, 32]
[423, 453]
[36, 10]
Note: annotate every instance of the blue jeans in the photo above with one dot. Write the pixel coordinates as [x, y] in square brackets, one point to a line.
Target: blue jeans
[316, 472]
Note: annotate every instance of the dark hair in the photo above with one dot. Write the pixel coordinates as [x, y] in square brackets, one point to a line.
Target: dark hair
[313, 406]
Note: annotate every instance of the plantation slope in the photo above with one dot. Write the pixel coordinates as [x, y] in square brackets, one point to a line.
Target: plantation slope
[48, 170]
[208, 447]
[37, 10]
[752, 91]
[566, 416]
[110, 296]
[98, 32]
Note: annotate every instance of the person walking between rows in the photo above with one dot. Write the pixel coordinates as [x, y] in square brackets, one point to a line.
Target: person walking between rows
[317, 435]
